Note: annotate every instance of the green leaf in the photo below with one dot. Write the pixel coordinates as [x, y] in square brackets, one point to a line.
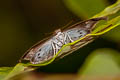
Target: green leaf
[109, 10]
[113, 35]
[7, 73]
[4, 72]
[101, 63]
[85, 8]
[107, 26]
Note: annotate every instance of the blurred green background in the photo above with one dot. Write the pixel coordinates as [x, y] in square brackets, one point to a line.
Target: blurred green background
[25, 22]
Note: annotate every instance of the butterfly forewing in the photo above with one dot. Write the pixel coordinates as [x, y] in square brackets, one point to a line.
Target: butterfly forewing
[43, 53]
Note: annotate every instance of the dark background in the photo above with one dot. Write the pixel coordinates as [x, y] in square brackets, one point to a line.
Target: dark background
[25, 22]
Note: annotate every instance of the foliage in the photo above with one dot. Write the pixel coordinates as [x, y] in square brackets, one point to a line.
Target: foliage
[8, 72]
[82, 7]
[101, 64]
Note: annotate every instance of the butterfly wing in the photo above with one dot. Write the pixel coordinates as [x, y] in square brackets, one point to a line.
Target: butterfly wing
[43, 53]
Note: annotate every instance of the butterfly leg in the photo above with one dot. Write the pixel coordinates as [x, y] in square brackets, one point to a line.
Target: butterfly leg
[70, 38]
[54, 49]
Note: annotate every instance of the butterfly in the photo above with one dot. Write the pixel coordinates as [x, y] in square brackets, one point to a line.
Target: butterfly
[47, 48]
